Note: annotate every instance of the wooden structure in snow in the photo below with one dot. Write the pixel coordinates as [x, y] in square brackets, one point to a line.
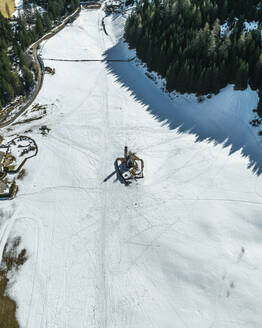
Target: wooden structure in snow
[130, 167]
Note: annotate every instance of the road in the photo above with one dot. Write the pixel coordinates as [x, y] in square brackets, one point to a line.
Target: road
[40, 70]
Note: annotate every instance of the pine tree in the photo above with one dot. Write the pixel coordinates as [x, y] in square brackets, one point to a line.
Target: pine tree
[28, 78]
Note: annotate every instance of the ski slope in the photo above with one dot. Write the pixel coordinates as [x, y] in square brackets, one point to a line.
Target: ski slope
[181, 248]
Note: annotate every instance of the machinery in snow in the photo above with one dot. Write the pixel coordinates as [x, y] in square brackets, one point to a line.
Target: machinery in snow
[129, 167]
[49, 70]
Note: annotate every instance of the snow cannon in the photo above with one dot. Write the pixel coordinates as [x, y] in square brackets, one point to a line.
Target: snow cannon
[129, 167]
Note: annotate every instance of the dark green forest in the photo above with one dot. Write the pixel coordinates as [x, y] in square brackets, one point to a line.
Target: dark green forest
[16, 76]
[182, 41]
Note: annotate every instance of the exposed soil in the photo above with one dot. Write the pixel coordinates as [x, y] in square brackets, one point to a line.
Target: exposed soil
[7, 8]
[11, 261]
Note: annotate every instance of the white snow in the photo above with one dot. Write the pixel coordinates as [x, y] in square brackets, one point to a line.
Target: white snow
[19, 7]
[19, 4]
[181, 248]
[224, 28]
[248, 26]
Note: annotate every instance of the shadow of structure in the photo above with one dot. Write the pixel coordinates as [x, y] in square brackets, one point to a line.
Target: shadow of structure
[223, 119]
[110, 176]
[118, 178]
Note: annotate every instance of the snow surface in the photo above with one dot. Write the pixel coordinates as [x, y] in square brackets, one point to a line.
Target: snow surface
[248, 26]
[224, 28]
[19, 4]
[181, 248]
[19, 7]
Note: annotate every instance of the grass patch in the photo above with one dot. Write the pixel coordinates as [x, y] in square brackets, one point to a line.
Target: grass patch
[7, 8]
[11, 261]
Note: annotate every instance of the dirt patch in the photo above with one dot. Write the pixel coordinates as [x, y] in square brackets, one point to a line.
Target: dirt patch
[38, 107]
[21, 174]
[9, 159]
[11, 261]
[2, 156]
[92, 6]
[7, 8]
[28, 120]
[3, 186]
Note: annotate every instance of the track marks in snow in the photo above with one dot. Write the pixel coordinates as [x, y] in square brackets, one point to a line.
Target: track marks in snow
[102, 287]
[219, 200]
[56, 189]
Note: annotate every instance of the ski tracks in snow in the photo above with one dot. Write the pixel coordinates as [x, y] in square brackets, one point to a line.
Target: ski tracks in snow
[101, 291]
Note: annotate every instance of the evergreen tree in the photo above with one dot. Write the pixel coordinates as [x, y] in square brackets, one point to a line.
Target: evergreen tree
[182, 41]
[27, 78]
[39, 28]
[15, 75]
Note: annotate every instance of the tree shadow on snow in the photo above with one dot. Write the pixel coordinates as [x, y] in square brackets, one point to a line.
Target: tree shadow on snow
[223, 119]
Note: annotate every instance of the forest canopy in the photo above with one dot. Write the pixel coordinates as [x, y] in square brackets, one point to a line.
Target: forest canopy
[16, 76]
[182, 41]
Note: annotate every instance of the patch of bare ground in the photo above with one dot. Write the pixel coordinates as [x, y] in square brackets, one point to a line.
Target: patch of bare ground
[4, 185]
[92, 6]
[21, 174]
[40, 110]
[4, 113]
[9, 159]
[7, 8]
[12, 259]
[38, 107]
[28, 120]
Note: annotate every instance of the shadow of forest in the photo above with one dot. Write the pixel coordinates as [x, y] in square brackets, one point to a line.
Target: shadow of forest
[223, 119]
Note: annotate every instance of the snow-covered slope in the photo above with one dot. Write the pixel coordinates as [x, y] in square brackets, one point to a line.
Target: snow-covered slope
[181, 248]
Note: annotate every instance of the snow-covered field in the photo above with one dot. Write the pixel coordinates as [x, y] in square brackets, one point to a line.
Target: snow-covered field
[181, 248]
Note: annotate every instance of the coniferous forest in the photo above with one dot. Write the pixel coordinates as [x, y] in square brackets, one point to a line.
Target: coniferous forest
[16, 76]
[182, 40]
